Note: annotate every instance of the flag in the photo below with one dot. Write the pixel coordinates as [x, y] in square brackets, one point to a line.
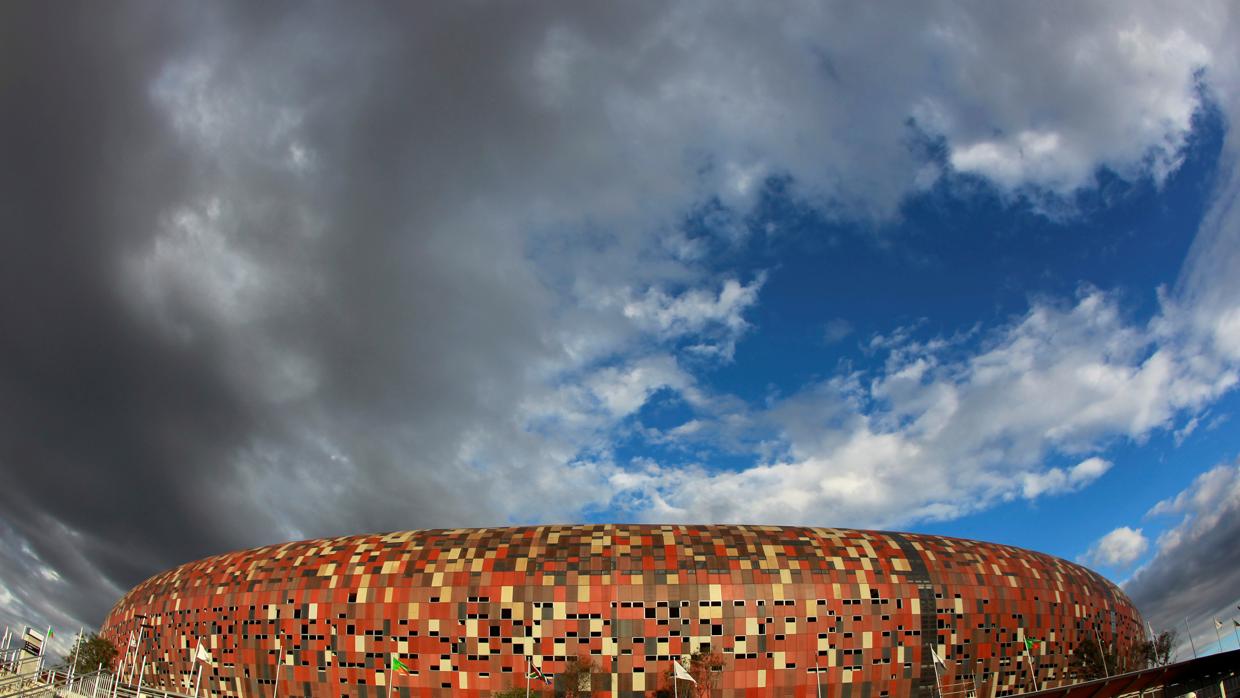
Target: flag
[1030, 643]
[681, 673]
[398, 665]
[201, 654]
[132, 641]
[1218, 625]
[938, 661]
[536, 673]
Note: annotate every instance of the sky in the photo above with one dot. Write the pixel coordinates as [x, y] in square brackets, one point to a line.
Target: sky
[277, 271]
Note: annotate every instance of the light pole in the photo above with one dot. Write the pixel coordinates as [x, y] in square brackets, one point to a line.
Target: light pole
[141, 629]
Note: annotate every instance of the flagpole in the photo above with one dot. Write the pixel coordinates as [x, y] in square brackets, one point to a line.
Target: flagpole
[1102, 653]
[1189, 628]
[120, 667]
[279, 661]
[43, 647]
[140, 673]
[141, 629]
[73, 660]
[1235, 628]
[817, 679]
[1217, 626]
[528, 663]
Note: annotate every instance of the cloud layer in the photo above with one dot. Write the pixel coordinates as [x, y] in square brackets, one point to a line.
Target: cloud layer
[1195, 571]
[281, 273]
[932, 436]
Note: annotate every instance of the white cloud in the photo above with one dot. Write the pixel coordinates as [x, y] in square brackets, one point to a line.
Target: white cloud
[718, 318]
[940, 432]
[623, 390]
[1060, 481]
[1119, 548]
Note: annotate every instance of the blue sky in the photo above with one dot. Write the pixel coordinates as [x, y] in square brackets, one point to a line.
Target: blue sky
[966, 260]
[959, 270]
[962, 258]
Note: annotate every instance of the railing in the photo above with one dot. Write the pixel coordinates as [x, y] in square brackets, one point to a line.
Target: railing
[31, 682]
[10, 660]
[33, 679]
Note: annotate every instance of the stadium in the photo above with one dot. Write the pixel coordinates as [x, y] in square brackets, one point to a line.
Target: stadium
[789, 611]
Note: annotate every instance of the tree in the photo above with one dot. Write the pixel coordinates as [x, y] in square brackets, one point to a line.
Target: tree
[1093, 662]
[576, 678]
[89, 651]
[1089, 661]
[1163, 648]
[704, 667]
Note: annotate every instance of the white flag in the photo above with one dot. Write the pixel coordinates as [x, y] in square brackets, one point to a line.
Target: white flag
[938, 661]
[681, 673]
[132, 641]
[1218, 625]
[201, 654]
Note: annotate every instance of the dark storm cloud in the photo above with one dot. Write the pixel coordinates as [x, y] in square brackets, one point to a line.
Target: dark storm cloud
[1195, 576]
[210, 214]
[94, 409]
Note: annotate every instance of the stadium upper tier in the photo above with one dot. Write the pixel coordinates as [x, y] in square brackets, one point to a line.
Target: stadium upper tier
[462, 609]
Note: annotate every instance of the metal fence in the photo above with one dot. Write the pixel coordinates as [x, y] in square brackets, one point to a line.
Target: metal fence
[60, 681]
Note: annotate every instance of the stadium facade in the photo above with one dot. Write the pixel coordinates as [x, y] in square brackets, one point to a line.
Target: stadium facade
[862, 612]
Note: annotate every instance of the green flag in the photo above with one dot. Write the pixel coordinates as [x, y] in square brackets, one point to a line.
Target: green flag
[1030, 643]
[397, 665]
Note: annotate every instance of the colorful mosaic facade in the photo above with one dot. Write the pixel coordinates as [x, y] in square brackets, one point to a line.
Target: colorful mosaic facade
[858, 610]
